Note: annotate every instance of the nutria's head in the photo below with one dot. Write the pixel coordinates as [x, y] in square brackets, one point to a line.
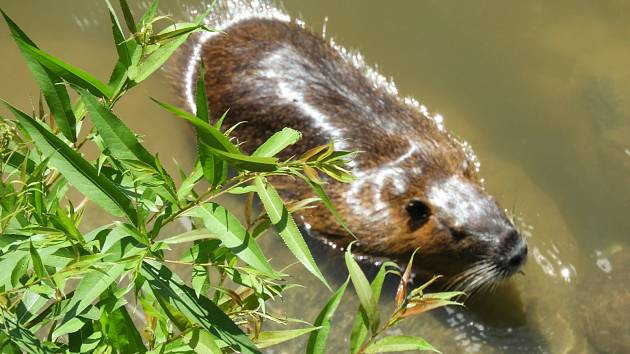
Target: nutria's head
[420, 189]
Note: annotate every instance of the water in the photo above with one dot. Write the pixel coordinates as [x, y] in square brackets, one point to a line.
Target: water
[540, 90]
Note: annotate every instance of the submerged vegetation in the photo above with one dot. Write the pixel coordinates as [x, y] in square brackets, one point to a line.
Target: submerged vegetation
[110, 289]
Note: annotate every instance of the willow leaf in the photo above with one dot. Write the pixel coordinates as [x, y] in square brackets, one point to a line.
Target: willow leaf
[58, 67]
[79, 172]
[217, 140]
[52, 85]
[92, 285]
[269, 338]
[399, 344]
[24, 338]
[278, 142]
[361, 286]
[244, 162]
[286, 227]
[317, 339]
[214, 169]
[220, 222]
[200, 310]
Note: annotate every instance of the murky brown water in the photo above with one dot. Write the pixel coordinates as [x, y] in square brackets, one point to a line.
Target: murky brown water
[541, 91]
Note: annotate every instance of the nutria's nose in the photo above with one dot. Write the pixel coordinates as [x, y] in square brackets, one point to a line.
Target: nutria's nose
[516, 253]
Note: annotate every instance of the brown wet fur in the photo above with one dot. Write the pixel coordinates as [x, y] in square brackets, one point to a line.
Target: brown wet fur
[381, 127]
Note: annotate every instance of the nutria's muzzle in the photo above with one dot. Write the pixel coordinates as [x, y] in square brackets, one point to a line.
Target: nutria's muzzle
[514, 253]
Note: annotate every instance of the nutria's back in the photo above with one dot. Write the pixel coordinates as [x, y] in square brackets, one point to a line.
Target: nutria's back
[416, 186]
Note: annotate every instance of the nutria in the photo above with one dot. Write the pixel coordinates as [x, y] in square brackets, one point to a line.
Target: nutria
[416, 186]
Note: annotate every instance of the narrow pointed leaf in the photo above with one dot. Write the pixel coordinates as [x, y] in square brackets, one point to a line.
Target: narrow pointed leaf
[189, 236]
[24, 338]
[286, 227]
[399, 344]
[120, 140]
[361, 286]
[401, 293]
[200, 310]
[201, 341]
[215, 170]
[79, 172]
[217, 139]
[92, 286]
[150, 13]
[317, 339]
[269, 338]
[119, 74]
[120, 330]
[157, 58]
[319, 190]
[58, 67]
[362, 323]
[201, 99]
[175, 31]
[220, 222]
[278, 142]
[38, 266]
[52, 86]
[131, 24]
[244, 162]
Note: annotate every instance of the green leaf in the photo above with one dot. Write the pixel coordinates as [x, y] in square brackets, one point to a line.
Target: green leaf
[63, 221]
[19, 161]
[121, 141]
[190, 236]
[361, 286]
[200, 310]
[131, 24]
[242, 189]
[278, 142]
[51, 84]
[148, 15]
[359, 330]
[29, 306]
[215, 170]
[244, 162]
[399, 344]
[118, 138]
[189, 182]
[156, 59]
[201, 98]
[216, 139]
[58, 67]
[361, 325]
[73, 324]
[317, 339]
[24, 338]
[286, 227]
[220, 222]
[117, 325]
[69, 73]
[159, 56]
[80, 173]
[37, 262]
[319, 190]
[201, 341]
[93, 284]
[123, 48]
[269, 338]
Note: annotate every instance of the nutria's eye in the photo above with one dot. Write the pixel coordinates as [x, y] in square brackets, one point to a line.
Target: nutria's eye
[418, 214]
[457, 234]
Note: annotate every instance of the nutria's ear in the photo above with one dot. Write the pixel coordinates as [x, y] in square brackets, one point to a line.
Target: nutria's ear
[419, 214]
